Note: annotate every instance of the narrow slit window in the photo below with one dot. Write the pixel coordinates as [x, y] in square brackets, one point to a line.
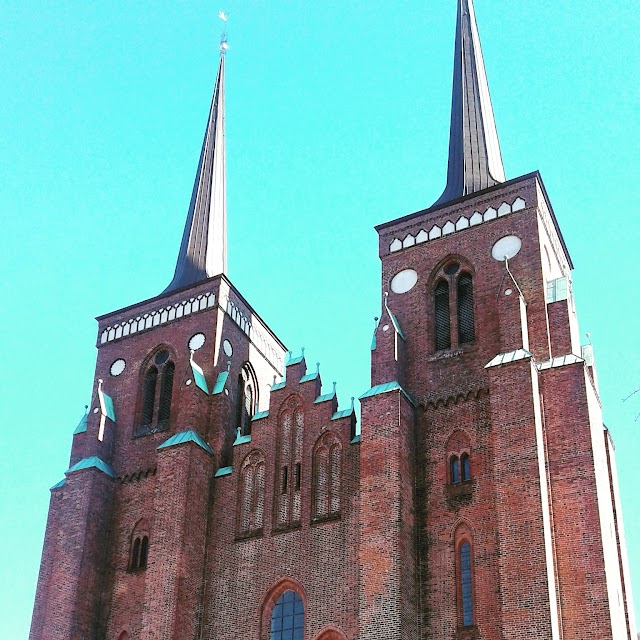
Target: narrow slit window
[298, 477]
[466, 329]
[135, 556]
[150, 383]
[166, 389]
[442, 316]
[144, 552]
[466, 587]
[284, 480]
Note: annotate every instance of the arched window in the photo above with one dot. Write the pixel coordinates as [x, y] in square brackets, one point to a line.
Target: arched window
[287, 617]
[287, 492]
[466, 330]
[458, 450]
[442, 315]
[247, 398]
[251, 495]
[463, 540]
[327, 476]
[156, 407]
[123, 636]
[139, 546]
[465, 465]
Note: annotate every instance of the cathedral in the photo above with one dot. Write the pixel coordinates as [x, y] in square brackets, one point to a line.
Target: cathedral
[215, 493]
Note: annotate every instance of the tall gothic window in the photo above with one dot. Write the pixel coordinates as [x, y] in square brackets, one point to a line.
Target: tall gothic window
[155, 411]
[287, 492]
[251, 495]
[327, 471]
[287, 617]
[247, 398]
[453, 319]
[139, 546]
[464, 575]
[442, 318]
[466, 330]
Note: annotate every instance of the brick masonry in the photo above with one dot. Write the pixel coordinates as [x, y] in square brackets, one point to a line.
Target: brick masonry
[233, 523]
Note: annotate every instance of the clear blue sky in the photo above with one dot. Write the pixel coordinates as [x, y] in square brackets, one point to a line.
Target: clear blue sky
[337, 120]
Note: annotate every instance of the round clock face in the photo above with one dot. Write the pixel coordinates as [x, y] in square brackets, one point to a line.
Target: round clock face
[196, 341]
[227, 348]
[404, 281]
[117, 367]
[506, 247]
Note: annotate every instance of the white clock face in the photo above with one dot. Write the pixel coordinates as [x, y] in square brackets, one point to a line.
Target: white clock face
[196, 341]
[506, 248]
[117, 367]
[404, 281]
[227, 348]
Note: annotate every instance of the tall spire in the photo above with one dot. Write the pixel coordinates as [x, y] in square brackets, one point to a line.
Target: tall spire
[475, 162]
[203, 251]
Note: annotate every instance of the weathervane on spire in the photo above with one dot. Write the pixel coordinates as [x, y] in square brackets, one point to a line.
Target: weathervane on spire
[224, 44]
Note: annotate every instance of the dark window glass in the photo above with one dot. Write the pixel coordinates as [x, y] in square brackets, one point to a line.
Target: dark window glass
[135, 556]
[442, 319]
[150, 381]
[287, 617]
[466, 331]
[466, 588]
[454, 470]
[466, 467]
[452, 268]
[144, 551]
[297, 477]
[285, 479]
[166, 389]
[161, 357]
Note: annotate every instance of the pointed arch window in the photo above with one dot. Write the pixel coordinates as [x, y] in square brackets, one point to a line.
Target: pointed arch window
[251, 495]
[287, 617]
[327, 477]
[157, 392]
[247, 398]
[453, 319]
[289, 468]
[465, 577]
[139, 546]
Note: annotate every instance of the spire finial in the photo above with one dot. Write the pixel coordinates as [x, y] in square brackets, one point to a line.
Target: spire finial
[475, 162]
[224, 43]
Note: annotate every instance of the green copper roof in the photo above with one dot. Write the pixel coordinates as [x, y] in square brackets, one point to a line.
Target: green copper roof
[82, 425]
[106, 405]
[505, 358]
[355, 440]
[373, 342]
[240, 439]
[342, 414]
[223, 471]
[220, 382]
[309, 376]
[325, 397]
[91, 463]
[198, 377]
[385, 388]
[259, 415]
[279, 385]
[186, 436]
[396, 324]
[57, 485]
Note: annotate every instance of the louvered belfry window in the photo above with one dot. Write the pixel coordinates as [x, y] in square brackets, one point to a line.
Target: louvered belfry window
[157, 390]
[442, 319]
[466, 331]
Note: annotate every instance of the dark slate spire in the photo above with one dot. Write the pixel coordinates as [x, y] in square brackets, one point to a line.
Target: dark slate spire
[475, 162]
[203, 252]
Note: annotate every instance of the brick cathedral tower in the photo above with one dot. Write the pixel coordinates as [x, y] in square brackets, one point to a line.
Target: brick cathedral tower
[480, 499]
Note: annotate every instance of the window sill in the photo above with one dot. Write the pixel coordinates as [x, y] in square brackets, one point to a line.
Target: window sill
[460, 490]
[284, 528]
[248, 535]
[452, 352]
[149, 429]
[468, 633]
[332, 517]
